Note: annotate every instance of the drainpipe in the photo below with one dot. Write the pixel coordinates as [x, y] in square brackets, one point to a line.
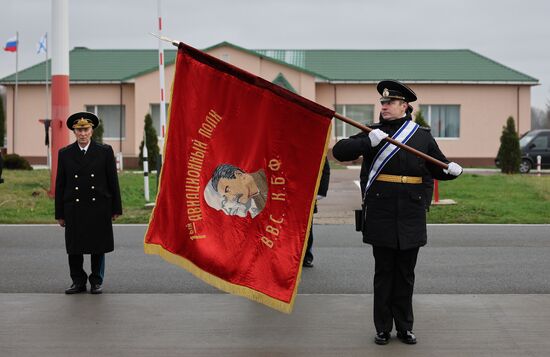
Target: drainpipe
[335, 103]
[518, 109]
[120, 123]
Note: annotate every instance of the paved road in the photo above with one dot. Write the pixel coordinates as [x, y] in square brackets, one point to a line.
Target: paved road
[332, 314]
[216, 325]
[459, 259]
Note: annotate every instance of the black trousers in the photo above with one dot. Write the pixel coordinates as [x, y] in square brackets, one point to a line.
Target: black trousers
[79, 276]
[393, 288]
[309, 250]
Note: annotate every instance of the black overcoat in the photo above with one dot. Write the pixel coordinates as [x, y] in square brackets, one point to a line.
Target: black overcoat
[395, 214]
[325, 179]
[87, 194]
[323, 183]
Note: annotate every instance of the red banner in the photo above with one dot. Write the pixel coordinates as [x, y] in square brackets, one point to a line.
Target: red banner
[243, 160]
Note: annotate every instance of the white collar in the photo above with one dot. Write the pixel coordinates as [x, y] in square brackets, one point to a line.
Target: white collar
[85, 148]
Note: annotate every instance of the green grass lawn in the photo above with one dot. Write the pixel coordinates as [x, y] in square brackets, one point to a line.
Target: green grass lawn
[481, 199]
[494, 199]
[24, 197]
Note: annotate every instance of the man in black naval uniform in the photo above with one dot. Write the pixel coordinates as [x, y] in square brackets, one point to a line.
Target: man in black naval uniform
[321, 193]
[395, 200]
[87, 200]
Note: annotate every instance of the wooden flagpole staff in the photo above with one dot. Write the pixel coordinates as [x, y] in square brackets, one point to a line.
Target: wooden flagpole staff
[353, 123]
[413, 151]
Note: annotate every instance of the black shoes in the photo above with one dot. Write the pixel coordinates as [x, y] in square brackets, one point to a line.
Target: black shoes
[406, 337]
[308, 263]
[382, 338]
[75, 289]
[96, 289]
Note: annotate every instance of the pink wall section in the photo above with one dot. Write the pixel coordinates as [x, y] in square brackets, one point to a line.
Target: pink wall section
[484, 110]
[29, 133]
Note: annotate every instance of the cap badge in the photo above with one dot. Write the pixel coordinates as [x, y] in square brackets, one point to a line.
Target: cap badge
[386, 92]
[82, 123]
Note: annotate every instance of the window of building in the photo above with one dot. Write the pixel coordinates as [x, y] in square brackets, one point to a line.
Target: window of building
[155, 115]
[111, 118]
[361, 113]
[444, 120]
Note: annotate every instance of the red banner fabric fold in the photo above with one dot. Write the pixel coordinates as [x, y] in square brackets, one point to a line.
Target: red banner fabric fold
[242, 163]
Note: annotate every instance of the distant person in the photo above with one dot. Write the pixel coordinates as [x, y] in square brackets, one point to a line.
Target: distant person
[238, 192]
[87, 200]
[394, 184]
[321, 193]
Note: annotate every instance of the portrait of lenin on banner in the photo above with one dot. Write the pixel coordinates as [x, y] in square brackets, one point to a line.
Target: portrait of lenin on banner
[236, 192]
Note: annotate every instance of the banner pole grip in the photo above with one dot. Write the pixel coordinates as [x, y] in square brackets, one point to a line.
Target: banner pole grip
[413, 151]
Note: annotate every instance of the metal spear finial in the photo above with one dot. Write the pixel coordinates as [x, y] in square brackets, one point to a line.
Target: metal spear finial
[173, 42]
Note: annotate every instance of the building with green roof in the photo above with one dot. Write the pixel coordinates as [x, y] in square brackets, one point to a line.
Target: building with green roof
[464, 96]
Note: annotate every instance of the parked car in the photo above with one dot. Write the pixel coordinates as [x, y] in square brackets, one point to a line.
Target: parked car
[533, 144]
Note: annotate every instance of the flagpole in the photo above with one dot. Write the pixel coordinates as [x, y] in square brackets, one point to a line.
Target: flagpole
[16, 90]
[60, 83]
[48, 153]
[162, 97]
[47, 80]
[145, 168]
[366, 129]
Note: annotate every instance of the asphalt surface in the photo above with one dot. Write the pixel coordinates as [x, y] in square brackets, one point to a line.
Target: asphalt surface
[216, 325]
[459, 259]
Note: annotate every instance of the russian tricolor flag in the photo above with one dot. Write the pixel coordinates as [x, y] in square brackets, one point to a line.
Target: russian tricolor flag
[11, 45]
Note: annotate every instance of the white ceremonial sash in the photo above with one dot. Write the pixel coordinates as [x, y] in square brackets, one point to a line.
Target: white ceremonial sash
[387, 151]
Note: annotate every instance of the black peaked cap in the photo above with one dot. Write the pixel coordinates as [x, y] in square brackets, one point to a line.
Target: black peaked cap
[392, 89]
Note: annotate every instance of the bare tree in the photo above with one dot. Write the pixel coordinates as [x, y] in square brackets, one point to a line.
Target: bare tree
[538, 116]
[546, 118]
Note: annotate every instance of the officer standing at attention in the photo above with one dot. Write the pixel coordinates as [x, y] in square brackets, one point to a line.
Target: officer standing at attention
[321, 193]
[394, 204]
[87, 200]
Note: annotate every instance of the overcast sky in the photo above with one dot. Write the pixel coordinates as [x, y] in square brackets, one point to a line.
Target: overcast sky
[514, 33]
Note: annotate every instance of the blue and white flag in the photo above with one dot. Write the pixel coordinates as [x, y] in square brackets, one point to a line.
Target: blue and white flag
[42, 45]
